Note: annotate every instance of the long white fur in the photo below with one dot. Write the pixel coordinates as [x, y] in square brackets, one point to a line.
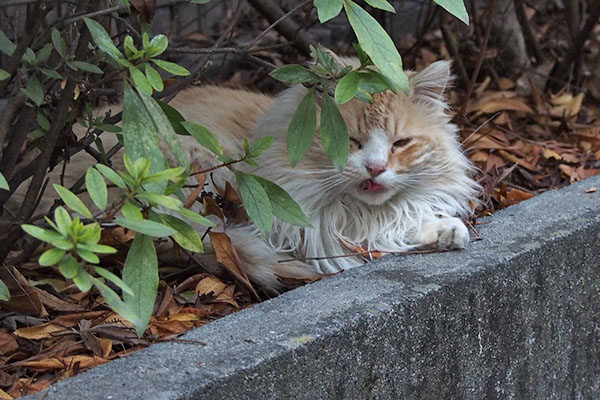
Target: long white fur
[444, 190]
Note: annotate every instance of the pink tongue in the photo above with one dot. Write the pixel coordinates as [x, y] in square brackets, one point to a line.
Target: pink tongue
[371, 186]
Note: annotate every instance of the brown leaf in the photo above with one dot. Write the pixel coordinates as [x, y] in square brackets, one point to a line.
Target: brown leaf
[24, 299]
[43, 331]
[228, 258]
[5, 396]
[54, 303]
[8, 343]
[210, 286]
[146, 8]
[212, 208]
[54, 363]
[200, 180]
[493, 102]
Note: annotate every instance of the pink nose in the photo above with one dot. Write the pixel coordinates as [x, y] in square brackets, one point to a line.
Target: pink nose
[375, 170]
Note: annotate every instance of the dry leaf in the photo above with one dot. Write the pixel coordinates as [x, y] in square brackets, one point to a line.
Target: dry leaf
[8, 343]
[228, 258]
[53, 363]
[43, 331]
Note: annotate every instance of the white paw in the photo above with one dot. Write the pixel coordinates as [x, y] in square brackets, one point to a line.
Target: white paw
[447, 233]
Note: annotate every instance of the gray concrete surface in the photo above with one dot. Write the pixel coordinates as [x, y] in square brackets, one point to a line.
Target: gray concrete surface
[515, 316]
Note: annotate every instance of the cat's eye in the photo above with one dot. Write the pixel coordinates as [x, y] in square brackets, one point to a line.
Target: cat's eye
[355, 143]
[400, 143]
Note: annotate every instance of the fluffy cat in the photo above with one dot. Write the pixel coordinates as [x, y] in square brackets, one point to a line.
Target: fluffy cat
[405, 184]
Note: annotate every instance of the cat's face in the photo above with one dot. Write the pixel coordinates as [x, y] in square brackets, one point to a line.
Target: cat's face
[399, 143]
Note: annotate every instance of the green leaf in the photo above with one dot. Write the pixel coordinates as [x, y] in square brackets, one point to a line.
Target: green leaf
[43, 54]
[346, 88]
[256, 201]
[111, 175]
[164, 175]
[72, 201]
[6, 45]
[140, 136]
[158, 45]
[171, 67]
[174, 116]
[102, 39]
[160, 199]
[334, 134]
[41, 234]
[68, 266]
[51, 257]
[106, 274]
[140, 80]
[154, 78]
[42, 121]
[203, 136]
[85, 66]
[377, 44]
[96, 248]
[328, 9]
[4, 75]
[96, 187]
[456, 8]
[131, 212]
[50, 73]
[34, 90]
[4, 292]
[83, 280]
[301, 131]
[260, 146]
[129, 46]
[87, 256]
[119, 306]
[140, 273]
[63, 220]
[283, 205]
[294, 73]
[362, 56]
[382, 5]
[372, 82]
[165, 129]
[185, 235]
[195, 217]
[199, 1]
[28, 56]
[3, 182]
[146, 227]
[59, 43]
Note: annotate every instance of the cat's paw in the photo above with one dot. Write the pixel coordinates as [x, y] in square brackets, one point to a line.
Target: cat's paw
[447, 233]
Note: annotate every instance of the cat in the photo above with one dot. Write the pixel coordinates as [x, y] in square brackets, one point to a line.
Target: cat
[406, 183]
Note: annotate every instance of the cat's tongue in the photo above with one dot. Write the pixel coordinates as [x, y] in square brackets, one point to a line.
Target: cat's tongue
[371, 186]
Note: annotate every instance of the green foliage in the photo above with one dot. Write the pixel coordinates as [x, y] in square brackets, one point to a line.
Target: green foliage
[334, 134]
[4, 293]
[3, 182]
[301, 131]
[456, 8]
[141, 275]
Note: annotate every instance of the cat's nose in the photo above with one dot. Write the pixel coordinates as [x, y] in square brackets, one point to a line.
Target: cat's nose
[375, 170]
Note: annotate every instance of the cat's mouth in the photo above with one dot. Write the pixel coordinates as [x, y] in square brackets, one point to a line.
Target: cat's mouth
[368, 185]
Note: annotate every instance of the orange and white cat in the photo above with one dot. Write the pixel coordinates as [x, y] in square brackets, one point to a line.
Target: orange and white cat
[405, 184]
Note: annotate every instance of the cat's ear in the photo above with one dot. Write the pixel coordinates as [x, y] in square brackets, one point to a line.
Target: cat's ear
[429, 85]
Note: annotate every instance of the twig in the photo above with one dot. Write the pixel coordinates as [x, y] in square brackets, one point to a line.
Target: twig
[490, 119]
[561, 71]
[363, 253]
[275, 23]
[450, 41]
[43, 161]
[31, 27]
[285, 25]
[530, 39]
[463, 109]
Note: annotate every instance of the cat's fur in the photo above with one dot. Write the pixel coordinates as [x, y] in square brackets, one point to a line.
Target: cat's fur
[424, 186]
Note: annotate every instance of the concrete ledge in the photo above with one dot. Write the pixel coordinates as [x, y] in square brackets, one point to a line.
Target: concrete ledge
[516, 316]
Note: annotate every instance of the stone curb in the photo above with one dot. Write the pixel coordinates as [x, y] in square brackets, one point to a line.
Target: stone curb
[516, 315]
